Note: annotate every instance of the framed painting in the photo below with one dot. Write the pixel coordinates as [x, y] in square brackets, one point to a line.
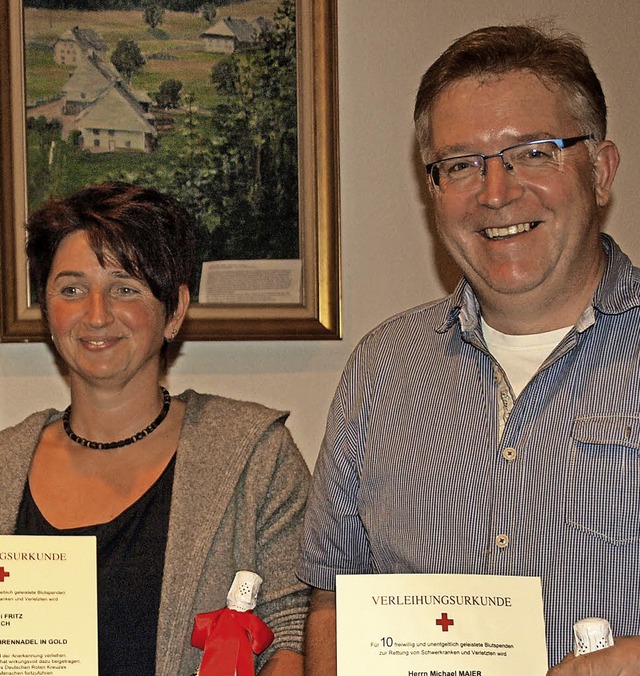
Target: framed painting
[232, 107]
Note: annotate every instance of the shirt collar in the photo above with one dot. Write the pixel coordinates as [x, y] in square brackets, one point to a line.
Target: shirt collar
[619, 289]
[462, 306]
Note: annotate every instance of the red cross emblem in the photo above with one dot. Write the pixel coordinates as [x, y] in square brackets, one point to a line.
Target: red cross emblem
[3, 573]
[445, 622]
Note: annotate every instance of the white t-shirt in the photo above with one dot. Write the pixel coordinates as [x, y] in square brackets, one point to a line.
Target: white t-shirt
[520, 356]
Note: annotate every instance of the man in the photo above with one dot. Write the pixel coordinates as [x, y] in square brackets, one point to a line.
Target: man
[497, 431]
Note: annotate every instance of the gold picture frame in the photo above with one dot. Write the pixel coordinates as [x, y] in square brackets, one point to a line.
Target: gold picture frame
[318, 315]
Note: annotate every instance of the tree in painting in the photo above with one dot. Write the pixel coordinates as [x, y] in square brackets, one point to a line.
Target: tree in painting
[168, 95]
[153, 13]
[209, 12]
[127, 58]
[256, 168]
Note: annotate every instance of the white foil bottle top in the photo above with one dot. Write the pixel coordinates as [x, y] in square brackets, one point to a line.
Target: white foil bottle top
[243, 593]
[591, 634]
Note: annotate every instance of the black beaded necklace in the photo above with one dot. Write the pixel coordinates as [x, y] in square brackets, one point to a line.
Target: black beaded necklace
[105, 446]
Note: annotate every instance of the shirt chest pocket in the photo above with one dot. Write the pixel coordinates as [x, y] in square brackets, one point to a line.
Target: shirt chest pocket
[603, 482]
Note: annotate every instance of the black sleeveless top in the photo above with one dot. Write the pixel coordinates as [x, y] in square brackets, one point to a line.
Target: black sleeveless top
[130, 559]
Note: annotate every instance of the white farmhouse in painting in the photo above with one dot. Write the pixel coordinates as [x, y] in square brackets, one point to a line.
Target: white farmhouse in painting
[75, 43]
[95, 102]
[116, 121]
[91, 76]
[231, 35]
[109, 115]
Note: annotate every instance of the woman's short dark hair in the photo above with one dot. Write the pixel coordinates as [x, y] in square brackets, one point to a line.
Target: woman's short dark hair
[559, 60]
[146, 232]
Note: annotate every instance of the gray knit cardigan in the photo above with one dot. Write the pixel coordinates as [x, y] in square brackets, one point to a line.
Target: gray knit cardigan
[238, 500]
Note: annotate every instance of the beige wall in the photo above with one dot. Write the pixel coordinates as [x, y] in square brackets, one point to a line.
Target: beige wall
[388, 252]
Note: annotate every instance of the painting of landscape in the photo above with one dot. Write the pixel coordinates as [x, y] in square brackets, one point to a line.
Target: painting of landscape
[198, 100]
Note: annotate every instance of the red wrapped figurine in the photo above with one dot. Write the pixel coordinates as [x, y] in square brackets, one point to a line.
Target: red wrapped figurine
[230, 636]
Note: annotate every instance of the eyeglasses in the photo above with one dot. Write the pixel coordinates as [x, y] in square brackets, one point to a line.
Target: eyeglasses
[527, 161]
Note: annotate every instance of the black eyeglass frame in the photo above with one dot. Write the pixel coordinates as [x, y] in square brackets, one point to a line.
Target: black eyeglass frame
[561, 144]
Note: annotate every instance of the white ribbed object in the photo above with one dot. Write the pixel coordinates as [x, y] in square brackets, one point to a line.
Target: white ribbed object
[243, 593]
[591, 634]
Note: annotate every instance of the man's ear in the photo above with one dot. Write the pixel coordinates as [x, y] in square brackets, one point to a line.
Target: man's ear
[605, 167]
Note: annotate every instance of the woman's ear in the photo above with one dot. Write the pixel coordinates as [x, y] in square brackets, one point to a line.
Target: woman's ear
[175, 321]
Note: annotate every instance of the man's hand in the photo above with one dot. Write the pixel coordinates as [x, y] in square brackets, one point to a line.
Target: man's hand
[622, 659]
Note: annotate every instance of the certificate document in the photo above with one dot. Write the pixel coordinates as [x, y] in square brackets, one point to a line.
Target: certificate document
[48, 606]
[440, 625]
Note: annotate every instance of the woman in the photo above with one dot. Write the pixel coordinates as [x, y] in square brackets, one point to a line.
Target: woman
[181, 491]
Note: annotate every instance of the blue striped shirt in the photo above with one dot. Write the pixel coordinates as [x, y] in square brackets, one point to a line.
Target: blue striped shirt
[430, 466]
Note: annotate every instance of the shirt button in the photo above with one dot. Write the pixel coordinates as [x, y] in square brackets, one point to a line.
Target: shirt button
[509, 454]
[502, 540]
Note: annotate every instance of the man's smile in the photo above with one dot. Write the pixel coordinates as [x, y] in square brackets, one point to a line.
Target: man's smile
[510, 230]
